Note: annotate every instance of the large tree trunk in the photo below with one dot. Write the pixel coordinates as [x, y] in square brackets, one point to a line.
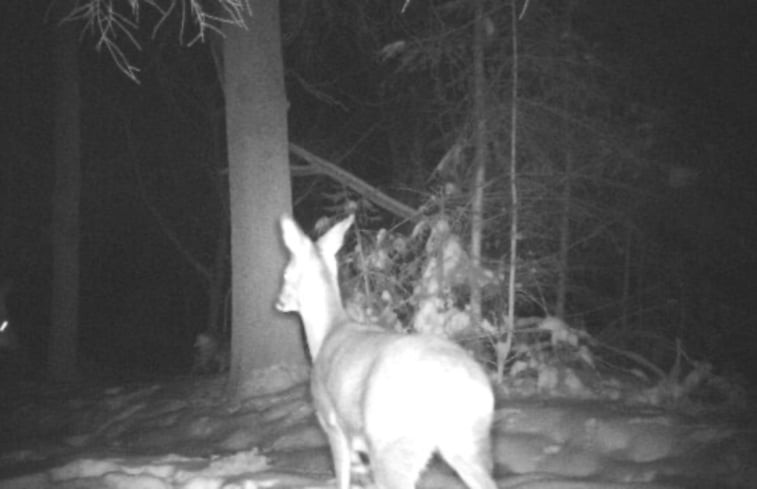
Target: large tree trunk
[65, 216]
[260, 191]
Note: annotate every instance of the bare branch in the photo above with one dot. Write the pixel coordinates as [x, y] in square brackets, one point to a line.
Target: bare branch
[111, 26]
[349, 180]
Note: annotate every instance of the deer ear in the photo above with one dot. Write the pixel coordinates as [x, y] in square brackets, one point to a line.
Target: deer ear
[330, 242]
[294, 239]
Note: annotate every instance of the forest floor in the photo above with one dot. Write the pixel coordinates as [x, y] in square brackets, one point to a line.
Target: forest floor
[181, 433]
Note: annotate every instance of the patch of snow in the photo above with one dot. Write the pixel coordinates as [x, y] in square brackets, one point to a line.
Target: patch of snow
[160, 472]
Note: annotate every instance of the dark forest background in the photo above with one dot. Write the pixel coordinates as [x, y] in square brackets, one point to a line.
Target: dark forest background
[647, 107]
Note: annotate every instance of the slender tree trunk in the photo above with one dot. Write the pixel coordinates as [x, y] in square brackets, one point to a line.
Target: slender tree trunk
[503, 347]
[565, 210]
[260, 191]
[626, 290]
[567, 189]
[6, 199]
[479, 162]
[217, 283]
[65, 216]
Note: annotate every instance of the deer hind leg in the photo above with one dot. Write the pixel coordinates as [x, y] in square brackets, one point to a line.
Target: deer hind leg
[398, 465]
[341, 452]
[469, 454]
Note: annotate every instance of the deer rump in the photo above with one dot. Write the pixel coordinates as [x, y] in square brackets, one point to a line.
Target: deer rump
[389, 387]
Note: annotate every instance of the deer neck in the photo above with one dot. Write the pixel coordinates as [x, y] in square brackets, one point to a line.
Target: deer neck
[322, 311]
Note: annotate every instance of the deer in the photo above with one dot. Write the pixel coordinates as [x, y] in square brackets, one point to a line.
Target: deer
[396, 398]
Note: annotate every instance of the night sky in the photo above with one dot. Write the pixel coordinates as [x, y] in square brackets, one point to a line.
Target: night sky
[694, 60]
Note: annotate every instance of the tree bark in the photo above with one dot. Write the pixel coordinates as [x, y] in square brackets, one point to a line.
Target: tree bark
[260, 191]
[62, 349]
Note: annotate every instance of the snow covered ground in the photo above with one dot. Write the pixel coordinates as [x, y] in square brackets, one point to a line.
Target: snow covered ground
[183, 434]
